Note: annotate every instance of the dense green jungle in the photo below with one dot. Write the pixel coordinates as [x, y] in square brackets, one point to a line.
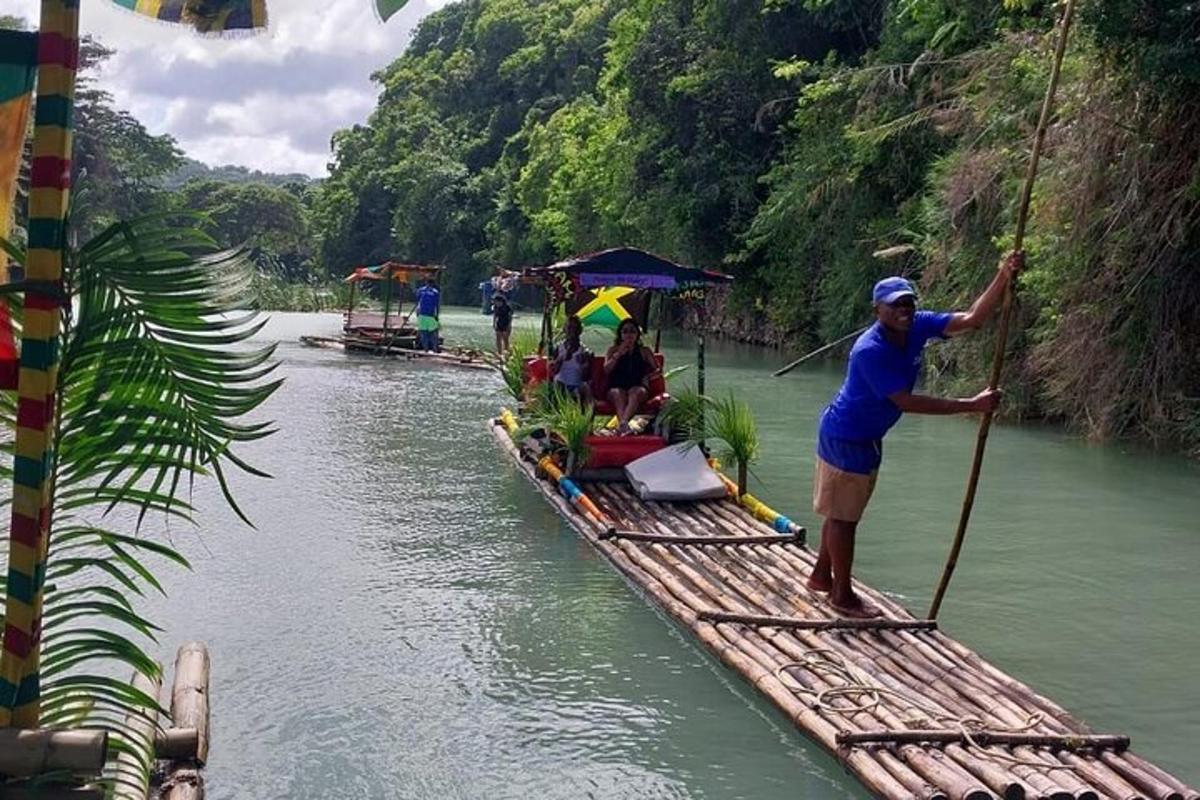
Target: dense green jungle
[807, 146]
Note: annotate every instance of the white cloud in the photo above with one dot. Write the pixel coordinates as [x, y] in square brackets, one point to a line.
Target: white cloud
[268, 102]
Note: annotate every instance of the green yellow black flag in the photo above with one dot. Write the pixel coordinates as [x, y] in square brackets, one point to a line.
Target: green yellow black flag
[606, 307]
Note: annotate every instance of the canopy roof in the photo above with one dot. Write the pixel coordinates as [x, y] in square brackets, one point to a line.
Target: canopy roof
[398, 272]
[628, 266]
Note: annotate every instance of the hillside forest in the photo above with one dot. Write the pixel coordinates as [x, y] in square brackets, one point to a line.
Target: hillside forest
[809, 147]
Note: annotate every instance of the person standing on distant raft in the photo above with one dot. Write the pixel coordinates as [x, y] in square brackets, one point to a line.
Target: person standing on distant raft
[501, 321]
[428, 310]
[884, 364]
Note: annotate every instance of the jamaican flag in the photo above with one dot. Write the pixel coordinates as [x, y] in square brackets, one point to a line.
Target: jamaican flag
[608, 305]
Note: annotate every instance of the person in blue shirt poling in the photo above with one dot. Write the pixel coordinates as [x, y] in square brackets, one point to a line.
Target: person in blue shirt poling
[884, 364]
[428, 313]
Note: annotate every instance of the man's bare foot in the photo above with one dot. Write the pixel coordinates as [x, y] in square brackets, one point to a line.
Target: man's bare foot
[819, 583]
[855, 608]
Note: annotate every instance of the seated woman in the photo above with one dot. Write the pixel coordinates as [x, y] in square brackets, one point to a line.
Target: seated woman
[629, 366]
[571, 367]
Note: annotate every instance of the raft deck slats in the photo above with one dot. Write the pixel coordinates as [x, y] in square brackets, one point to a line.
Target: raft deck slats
[984, 738]
[846, 681]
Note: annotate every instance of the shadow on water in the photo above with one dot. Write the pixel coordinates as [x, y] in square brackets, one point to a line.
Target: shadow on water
[412, 620]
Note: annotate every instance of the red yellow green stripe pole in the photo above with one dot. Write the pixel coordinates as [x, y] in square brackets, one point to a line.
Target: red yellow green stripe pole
[50, 183]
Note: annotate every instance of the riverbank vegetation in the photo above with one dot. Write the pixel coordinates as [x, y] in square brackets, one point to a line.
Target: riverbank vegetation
[790, 140]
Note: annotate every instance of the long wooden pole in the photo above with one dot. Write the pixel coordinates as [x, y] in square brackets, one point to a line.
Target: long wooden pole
[985, 423]
[50, 185]
[823, 348]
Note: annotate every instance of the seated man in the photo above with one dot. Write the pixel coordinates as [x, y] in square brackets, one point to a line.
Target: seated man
[571, 367]
[629, 365]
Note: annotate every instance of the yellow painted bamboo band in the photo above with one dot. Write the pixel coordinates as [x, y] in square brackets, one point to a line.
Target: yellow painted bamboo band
[50, 172]
[758, 508]
[508, 421]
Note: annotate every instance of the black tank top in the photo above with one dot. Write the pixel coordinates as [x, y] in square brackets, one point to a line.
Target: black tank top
[629, 371]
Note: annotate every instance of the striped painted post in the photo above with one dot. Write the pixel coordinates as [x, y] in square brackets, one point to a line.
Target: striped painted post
[50, 184]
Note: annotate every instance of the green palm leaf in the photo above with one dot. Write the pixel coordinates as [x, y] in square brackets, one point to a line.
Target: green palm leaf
[157, 376]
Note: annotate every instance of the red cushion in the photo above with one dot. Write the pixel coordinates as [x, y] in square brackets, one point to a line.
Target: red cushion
[617, 451]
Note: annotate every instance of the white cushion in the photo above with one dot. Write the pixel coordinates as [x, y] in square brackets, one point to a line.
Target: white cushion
[679, 472]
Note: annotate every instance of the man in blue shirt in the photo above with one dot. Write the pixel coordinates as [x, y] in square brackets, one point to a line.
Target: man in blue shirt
[428, 306]
[884, 365]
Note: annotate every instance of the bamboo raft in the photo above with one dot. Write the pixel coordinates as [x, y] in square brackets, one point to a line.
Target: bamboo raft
[452, 357]
[909, 711]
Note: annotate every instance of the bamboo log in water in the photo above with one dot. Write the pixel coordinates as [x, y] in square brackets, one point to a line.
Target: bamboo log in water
[25, 753]
[770, 621]
[700, 541]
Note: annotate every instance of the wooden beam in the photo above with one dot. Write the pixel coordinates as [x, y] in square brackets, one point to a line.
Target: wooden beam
[702, 541]
[808, 624]
[24, 752]
[1070, 742]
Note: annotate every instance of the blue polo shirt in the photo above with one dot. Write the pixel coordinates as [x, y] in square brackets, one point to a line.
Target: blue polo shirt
[427, 301]
[854, 423]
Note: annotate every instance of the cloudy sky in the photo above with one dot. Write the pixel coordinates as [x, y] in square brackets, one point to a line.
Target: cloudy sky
[268, 102]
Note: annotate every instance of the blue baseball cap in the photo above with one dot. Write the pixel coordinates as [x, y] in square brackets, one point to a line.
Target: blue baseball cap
[889, 290]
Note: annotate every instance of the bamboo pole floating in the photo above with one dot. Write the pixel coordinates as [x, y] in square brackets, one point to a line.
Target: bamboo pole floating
[25, 753]
[985, 422]
[984, 738]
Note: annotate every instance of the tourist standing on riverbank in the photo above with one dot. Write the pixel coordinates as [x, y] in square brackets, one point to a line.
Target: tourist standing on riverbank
[884, 365]
[428, 308]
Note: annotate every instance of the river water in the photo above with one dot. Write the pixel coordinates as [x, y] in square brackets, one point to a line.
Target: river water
[410, 619]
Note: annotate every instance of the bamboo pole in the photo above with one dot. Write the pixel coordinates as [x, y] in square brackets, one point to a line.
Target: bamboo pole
[985, 422]
[132, 768]
[25, 753]
[768, 621]
[822, 349]
[940, 736]
[189, 710]
[641, 536]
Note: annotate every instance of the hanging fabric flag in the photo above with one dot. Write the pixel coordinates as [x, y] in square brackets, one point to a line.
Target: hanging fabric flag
[18, 61]
[608, 305]
[386, 8]
[206, 16]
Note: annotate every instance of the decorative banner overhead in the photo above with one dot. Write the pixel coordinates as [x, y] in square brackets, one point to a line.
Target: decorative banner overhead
[206, 16]
[223, 16]
[607, 306]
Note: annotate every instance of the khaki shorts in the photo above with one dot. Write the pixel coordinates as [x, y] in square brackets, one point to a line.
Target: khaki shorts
[842, 495]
